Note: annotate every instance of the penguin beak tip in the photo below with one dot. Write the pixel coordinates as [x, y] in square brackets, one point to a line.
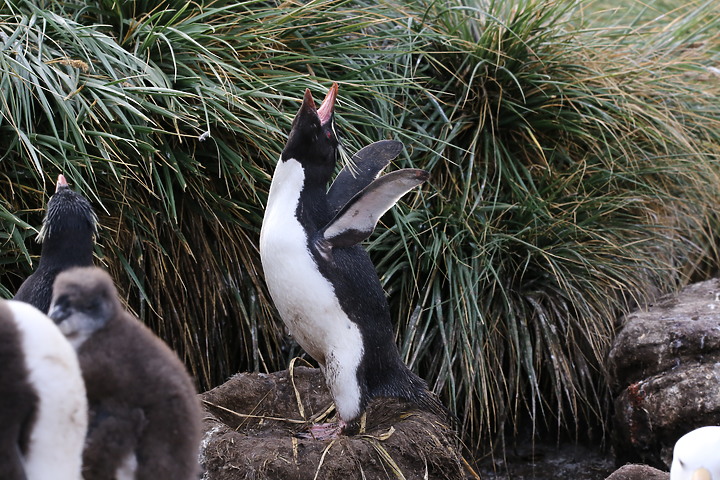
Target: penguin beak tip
[58, 313]
[308, 99]
[61, 182]
[325, 111]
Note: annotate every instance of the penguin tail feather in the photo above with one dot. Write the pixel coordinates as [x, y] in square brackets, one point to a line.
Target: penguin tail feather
[415, 390]
[429, 401]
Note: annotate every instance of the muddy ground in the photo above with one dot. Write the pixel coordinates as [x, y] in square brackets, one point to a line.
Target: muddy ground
[252, 422]
[549, 462]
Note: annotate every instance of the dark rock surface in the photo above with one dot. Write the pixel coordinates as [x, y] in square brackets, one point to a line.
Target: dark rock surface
[251, 421]
[665, 372]
[638, 472]
[548, 461]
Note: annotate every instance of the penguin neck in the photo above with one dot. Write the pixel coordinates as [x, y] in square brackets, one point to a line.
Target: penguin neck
[313, 208]
[64, 249]
[295, 196]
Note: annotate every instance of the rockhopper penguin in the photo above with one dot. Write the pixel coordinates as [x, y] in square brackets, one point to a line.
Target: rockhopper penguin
[67, 241]
[145, 417]
[320, 278]
[43, 407]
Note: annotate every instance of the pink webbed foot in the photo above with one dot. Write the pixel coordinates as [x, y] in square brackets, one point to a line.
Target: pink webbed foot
[324, 431]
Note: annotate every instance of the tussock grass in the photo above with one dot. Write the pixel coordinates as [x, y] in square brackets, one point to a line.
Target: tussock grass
[576, 178]
[574, 173]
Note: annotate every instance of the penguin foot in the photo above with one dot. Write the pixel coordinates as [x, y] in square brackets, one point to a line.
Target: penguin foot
[323, 431]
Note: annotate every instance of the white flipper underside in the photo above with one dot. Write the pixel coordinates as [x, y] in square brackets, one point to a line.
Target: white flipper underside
[356, 221]
[364, 167]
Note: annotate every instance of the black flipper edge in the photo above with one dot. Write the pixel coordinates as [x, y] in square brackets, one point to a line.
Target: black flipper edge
[356, 221]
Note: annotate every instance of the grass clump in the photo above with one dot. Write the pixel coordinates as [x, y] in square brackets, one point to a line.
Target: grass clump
[576, 176]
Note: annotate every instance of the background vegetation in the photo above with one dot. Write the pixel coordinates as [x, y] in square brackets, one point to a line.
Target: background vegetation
[573, 149]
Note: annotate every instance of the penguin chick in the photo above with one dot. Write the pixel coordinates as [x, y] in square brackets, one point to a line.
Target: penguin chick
[145, 417]
[43, 407]
[320, 278]
[67, 241]
[696, 455]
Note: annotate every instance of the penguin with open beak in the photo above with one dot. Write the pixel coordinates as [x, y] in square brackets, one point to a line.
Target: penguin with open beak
[320, 278]
[67, 237]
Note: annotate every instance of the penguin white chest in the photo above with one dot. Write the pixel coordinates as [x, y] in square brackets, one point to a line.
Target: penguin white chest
[305, 299]
[58, 434]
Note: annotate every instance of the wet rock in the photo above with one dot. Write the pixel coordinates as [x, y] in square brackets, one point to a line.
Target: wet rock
[547, 461]
[665, 372]
[638, 472]
[251, 421]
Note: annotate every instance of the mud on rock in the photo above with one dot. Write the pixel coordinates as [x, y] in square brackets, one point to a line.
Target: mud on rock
[251, 422]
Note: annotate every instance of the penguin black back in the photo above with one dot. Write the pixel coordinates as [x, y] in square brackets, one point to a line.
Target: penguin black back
[144, 412]
[67, 236]
[381, 371]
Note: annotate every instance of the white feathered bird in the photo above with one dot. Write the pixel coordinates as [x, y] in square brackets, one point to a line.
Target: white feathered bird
[697, 455]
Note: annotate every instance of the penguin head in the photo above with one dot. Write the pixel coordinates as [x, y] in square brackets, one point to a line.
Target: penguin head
[67, 212]
[695, 456]
[84, 301]
[312, 140]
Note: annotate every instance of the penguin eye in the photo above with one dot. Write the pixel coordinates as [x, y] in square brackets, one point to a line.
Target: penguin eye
[94, 306]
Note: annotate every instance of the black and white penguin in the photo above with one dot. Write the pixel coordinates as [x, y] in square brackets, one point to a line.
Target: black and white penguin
[67, 234]
[320, 278]
[43, 407]
[145, 417]
[696, 455]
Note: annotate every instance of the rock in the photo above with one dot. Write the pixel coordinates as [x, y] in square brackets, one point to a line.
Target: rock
[251, 420]
[665, 373]
[638, 472]
[533, 459]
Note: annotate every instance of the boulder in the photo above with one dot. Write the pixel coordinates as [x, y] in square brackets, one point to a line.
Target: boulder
[665, 373]
[252, 421]
[638, 472]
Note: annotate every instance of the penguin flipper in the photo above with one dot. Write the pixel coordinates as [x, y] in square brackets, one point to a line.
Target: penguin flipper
[356, 221]
[113, 436]
[364, 167]
[12, 464]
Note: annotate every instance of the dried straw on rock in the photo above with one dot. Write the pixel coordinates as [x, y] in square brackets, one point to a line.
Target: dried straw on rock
[252, 420]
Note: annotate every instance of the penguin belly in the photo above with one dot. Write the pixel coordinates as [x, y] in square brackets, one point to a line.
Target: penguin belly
[58, 435]
[305, 299]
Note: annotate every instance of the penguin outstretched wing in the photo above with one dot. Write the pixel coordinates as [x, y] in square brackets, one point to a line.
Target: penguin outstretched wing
[364, 167]
[357, 219]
